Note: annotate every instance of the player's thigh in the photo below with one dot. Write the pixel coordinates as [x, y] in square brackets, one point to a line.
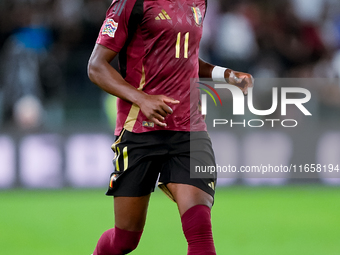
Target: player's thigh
[130, 212]
[187, 196]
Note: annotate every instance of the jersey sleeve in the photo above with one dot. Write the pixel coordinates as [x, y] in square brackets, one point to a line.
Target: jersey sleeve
[114, 31]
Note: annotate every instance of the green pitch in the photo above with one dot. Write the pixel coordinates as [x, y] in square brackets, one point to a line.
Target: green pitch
[246, 221]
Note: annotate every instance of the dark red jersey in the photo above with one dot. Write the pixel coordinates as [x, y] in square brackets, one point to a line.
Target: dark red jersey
[158, 44]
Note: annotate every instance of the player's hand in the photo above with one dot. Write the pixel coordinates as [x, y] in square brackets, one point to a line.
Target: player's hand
[156, 108]
[241, 80]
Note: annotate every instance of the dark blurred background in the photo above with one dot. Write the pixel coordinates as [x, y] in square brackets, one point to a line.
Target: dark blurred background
[45, 46]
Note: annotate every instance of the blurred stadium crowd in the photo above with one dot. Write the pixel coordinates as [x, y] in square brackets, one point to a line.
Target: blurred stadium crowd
[45, 46]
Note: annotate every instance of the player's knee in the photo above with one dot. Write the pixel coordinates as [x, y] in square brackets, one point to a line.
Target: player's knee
[125, 241]
[197, 222]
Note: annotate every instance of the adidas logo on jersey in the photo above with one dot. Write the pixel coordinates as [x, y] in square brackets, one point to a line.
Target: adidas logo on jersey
[163, 16]
[212, 185]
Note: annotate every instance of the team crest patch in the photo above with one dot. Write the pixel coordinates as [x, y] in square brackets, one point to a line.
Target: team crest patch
[197, 15]
[110, 28]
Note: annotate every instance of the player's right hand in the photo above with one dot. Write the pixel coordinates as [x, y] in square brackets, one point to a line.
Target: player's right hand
[156, 108]
[241, 80]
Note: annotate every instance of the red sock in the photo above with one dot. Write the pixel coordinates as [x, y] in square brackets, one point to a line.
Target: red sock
[196, 224]
[116, 241]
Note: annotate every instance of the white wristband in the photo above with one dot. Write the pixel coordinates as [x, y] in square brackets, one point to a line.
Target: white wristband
[218, 73]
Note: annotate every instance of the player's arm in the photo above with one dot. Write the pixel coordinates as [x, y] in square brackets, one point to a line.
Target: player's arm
[101, 73]
[239, 79]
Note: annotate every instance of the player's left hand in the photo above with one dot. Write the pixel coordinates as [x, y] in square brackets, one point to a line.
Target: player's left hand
[241, 80]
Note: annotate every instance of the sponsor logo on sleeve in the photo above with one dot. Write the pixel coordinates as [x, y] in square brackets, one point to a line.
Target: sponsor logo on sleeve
[110, 28]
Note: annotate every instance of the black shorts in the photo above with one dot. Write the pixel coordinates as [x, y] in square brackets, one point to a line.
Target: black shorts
[142, 158]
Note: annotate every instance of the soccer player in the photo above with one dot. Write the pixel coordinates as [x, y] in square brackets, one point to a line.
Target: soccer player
[158, 45]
